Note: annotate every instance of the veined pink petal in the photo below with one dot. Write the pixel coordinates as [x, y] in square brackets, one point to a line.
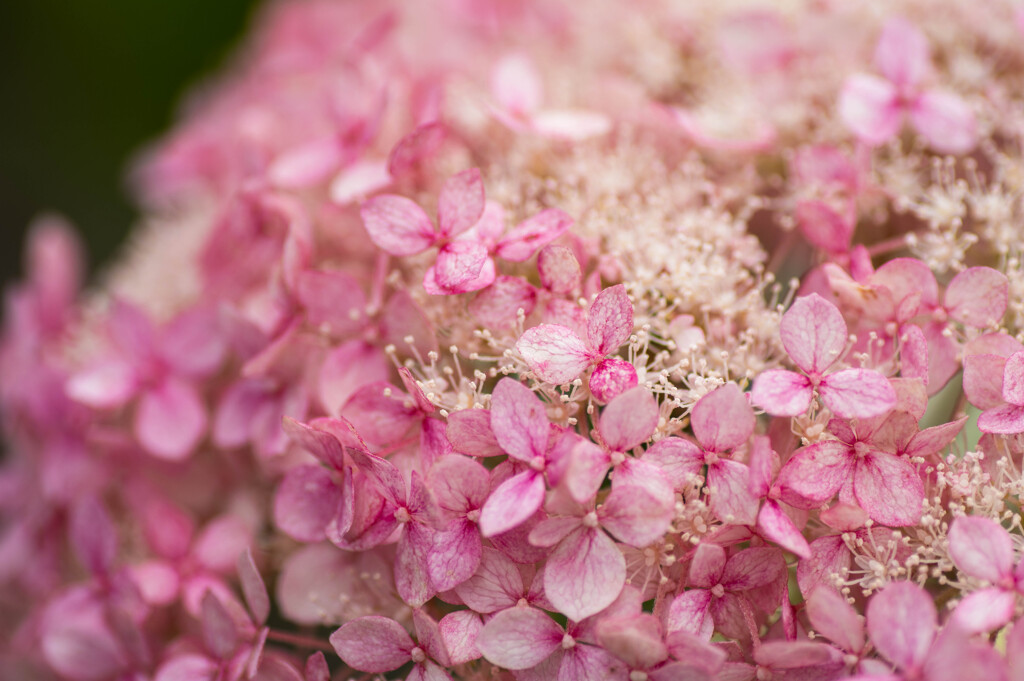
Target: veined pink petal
[397, 225]
[775, 525]
[782, 393]
[412, 576]
[629, 420]
[189, 667]
[946, 121]
[516, 84]
[469, 431]
[519, 638]
[902, 54]
[334, 300]
[519, 420]
[523, 240]
[753, 568]
[554, 352]
[824, 226]
[459, 262]
[428, 635]
[857, 393]
[499, 304]
[412, 149]
[551, 531]
[253, 588]
[359, 180]
[459, 631]
[585, 574]
[707, 566]
[1013, 379]
[977, 296]
[689, 613]
[611, 377]
[636, 640]
[888, 488]
[170, 420]
[457, 483]
[373, 644]
[984, 610]
[643, 473]
[931, 441]
[728, 486]
[722, 419]
[455, 555]
[317, 439]
[306, 501]
[484, 278]
[587, 468]
[559, 269]
[678, 457]
[954, 656]
[983, 380]
[832, 616]
[381, 413]
[795, 654]
[815, 473]
[814, 333]
[461, 202]
[1005, 420]
[869, 106]
[496, 585]
[762, 462]
[635, 516]
[570, 124]
[428, 671]
[512, 503]
[611, 320]
[982, 548]
[902, 621]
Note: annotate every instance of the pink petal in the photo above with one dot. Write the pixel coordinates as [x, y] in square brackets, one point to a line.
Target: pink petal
[954, 657]
[512, 503]
[689, 613]
[381, 413]
[461, 202]
[559, 269]
[170, 420]
[189, 667]
[984, 610]
[519, 420]
[428, 671]
[481, 280]
[762, 463]
[455, 555]
[106, 385]
[412, 578]
[347, 368]
[753, 568]
[253, 588]
[635, 516]
[611, 320]
[397, 225]
[815, 473]
[814, 333]
[722, 419]
[1005, 420]
[516, 84]
[889, 489]
[469, 432]
[983, 380]
[680, 459]
[778, 527]
[982, 548]
[610, 378]
[570, 124]
[913, 353]
[824, 226]
[588, 466]
[220, 631]
[551, 531]
[496, 585]
[977, 296]
[585, 574]
[459, 262]
[554, 352]
[217, 547]
[902, 623]
[523, 240]
[457, 483]
[306, 501]
[629, 420]
[869, 106]
[306, 164]
[428, 634]
[373, 644]
[643, 473]
[519, 638]
[332, 300]
[946, 121]
[1013, 379]
[833, 617]
[498, 305]
[731, 500]
[902, 54]
[459, 631]
[402, 319]
[782, 393]
[359, 180]
[415, 147]
[707, 566]
[931, 441]
[193, 342]
[636, 640]
[795, 654]
[857, 393]
[92, 536]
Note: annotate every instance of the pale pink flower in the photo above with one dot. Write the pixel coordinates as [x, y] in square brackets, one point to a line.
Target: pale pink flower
[982, 549]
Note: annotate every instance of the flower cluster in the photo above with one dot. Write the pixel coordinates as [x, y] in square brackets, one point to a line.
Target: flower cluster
[488, 339]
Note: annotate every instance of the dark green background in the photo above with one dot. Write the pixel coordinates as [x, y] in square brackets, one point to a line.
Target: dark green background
[83, 85]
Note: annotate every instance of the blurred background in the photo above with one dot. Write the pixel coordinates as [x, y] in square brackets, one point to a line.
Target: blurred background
[83, 86]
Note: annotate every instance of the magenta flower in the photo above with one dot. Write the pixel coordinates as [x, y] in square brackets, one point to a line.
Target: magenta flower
[773, 521]
[814, 334]
[378, 644]
[982, 549]
[557, 354]
[874, 108]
